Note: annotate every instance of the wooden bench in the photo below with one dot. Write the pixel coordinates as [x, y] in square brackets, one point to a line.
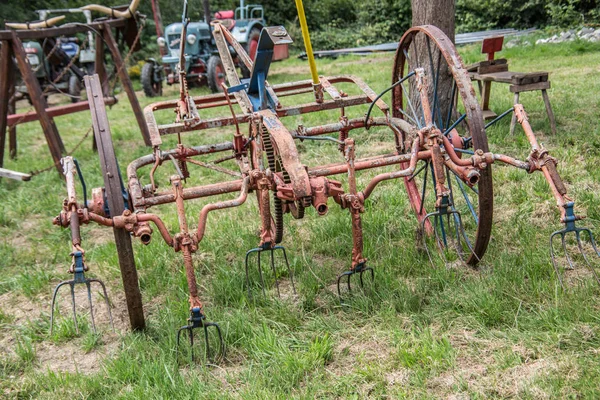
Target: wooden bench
[491, 70]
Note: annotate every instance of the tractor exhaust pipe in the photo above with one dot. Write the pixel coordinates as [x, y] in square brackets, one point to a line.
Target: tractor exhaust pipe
[206, 6]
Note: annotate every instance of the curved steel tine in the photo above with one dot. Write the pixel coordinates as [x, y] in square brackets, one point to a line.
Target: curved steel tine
[89, 293]
[339, 279]
[581, 250]
[183, 328]
[437, 237]
[553, 258]
[221, 352]
[288, 267]
[191, 330]
[424, 238]
[464, 235]
[105, 300]
[592, 240]
[72, 284]
[54, 303]
[349, 276]
[564, 245]
[275, 273]
[262, 280]
[362, 285]
[248, 273]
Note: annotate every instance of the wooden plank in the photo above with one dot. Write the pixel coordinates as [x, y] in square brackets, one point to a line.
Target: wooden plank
[124, 77]
[488, 69]
[522, 78]
[12, 130]
[99, 65]
[530, 87]
[53, 139]
[18, 176]
[112, 184]
[5, 82]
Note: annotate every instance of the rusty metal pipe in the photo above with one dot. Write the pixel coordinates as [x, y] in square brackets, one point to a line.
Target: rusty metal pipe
[219, 206]
[382, 161]
[512, 161]
[159, 224]
[414, 157]
[135, 188]
[449, 149]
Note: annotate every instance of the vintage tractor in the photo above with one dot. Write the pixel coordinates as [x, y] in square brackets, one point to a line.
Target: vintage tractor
[436, 146]
[203, 65]
[59, 64]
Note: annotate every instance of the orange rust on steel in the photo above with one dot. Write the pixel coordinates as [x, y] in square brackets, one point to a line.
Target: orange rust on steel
[290, 158]
[414, 157]
[468, 174]
[135, 188]
[512, 161]
[355, 206]
[219, 206]
[134, 218]
[422, 88]
[437, 160]
[159, 224]
[382, 161]
[524, 121]
[244, 118]
[449, 148]
[186, 243]
[548, 164]
[263, 194]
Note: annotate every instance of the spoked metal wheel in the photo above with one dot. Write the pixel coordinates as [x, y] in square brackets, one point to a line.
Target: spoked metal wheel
[456, 113]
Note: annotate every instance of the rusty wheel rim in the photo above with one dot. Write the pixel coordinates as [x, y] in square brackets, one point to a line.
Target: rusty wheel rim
[440, 57]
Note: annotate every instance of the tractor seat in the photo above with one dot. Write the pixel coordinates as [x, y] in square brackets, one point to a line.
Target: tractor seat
[228, 14]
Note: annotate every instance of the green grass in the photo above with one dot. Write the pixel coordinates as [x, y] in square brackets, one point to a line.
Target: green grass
[502, 330]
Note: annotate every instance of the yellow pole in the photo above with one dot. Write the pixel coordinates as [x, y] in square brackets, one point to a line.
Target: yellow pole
[309, 51]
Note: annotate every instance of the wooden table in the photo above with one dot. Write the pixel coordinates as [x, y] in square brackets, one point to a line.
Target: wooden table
[486, 72]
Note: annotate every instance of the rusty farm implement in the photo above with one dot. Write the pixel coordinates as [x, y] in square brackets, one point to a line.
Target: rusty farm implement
[437, 147]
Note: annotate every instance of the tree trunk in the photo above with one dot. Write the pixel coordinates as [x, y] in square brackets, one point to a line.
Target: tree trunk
[434, 12]
[439, 13]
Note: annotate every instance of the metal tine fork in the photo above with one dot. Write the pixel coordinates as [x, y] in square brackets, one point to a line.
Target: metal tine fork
[570, 227]
[198, 320]
[258, 251]
[78, 269]
[442, 243]
[360, 269]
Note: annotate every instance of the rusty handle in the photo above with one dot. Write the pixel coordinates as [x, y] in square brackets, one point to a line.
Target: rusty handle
[219, 206]
[414, 157]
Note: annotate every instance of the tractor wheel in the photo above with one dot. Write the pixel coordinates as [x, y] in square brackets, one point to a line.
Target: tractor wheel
[74, 88]
[252, 44]
[216, 74]
[152, 87]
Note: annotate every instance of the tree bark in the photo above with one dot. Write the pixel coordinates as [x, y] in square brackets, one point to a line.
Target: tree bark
[439, 13]
[434, 12]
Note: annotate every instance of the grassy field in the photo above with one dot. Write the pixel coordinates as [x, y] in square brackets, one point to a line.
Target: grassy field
[505, 329]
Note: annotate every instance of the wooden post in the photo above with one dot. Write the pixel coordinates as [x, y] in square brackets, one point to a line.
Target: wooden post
[549, 111]
[122, 72]
[55, 143]
[99, 65]
[5, 82]
[112, 184]
[12, 130]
